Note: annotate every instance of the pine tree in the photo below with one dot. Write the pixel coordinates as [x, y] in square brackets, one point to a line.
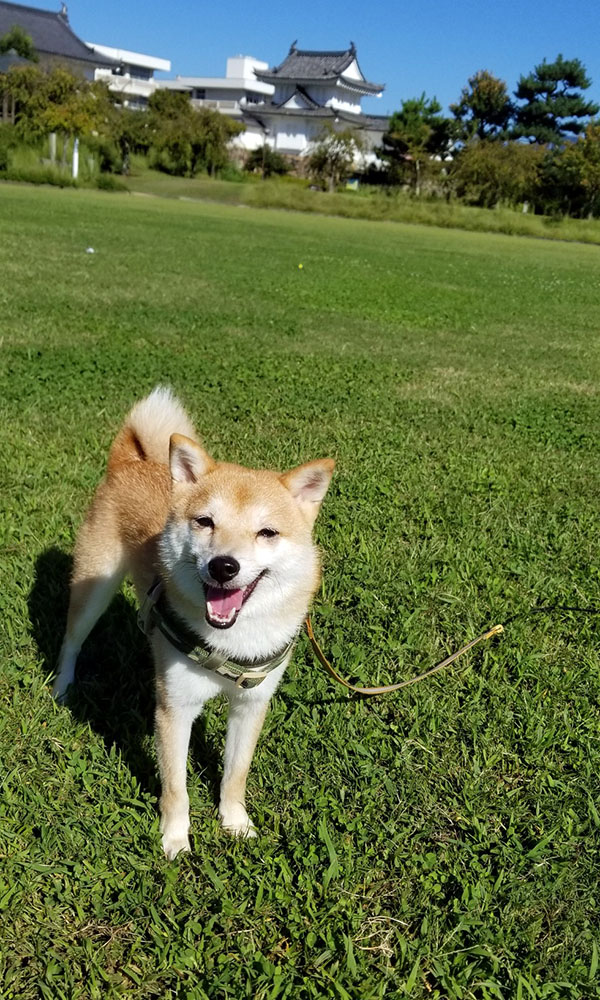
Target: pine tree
[417, 139]
[553, 109]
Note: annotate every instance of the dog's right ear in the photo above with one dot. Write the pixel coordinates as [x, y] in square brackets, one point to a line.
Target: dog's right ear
[188, 461]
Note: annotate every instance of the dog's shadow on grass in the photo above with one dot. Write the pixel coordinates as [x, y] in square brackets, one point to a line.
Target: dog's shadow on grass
[114, 680]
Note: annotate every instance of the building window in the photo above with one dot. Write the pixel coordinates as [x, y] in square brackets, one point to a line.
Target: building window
[140, 72]
[200, 93]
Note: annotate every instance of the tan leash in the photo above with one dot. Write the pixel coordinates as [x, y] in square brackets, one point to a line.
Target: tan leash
[496, 630]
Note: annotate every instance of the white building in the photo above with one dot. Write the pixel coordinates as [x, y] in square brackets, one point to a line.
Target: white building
[231, 95]
[313, 89]
[132, 75]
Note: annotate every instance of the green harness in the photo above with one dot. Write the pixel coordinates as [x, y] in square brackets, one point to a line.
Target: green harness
[155, 612]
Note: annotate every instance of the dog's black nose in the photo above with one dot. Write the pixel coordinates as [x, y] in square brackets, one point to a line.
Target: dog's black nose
[223, 568]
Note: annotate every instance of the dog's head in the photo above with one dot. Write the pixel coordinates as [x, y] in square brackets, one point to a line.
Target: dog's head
[238, 541]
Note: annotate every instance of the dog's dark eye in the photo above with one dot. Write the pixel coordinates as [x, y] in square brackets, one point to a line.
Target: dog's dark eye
[266, 533]
[204, 522]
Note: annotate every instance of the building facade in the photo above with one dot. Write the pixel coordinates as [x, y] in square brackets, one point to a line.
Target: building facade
[312, 90]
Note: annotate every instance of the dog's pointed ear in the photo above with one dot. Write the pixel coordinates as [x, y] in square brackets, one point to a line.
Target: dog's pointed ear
[308, 484]
[188, 461]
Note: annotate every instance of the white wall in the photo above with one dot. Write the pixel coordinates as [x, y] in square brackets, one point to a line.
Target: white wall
[242, 67]
[292, 136]
[252, 138]
[344, 103]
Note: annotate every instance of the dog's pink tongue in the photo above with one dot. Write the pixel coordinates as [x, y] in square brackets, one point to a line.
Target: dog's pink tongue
[222, 601]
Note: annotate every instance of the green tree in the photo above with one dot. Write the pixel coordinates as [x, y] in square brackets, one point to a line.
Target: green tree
[17, 86]
[20, 42]
[168, 113]
[553, 109]
[570, 179]
[586, 153]
[171, 104]
[55, 101]
[210, 136]
[416, 142]
[187, 140]
[22, 84]
[487, 173]
[333, 156]
[73, 106]
[484, 108]
[131, 132]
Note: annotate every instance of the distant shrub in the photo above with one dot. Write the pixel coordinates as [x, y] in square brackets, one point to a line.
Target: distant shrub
[267, 161]
[107, 154]
[107, 182]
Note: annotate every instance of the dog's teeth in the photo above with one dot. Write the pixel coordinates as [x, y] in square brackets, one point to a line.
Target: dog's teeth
[221, 619]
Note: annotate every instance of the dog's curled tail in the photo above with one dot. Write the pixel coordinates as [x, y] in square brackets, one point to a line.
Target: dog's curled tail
[148, 427]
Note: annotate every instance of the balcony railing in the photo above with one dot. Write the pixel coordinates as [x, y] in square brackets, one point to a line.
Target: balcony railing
[204, 102]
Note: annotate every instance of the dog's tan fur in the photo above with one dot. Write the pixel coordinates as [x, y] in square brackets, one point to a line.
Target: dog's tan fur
[143, 522]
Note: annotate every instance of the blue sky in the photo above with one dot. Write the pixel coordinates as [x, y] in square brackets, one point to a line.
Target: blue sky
[430, 45]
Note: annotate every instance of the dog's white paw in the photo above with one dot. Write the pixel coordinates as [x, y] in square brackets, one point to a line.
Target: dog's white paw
[175, 834]
[236, 821]
[174, 844]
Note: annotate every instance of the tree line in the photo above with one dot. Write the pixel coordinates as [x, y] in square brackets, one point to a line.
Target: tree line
[539, 147]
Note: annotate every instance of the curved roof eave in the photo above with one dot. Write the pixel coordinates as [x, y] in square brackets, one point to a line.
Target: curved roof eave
[361, 86]
[274, 111]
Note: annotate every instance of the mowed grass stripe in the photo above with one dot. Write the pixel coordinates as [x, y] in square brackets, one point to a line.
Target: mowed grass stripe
[443, 841]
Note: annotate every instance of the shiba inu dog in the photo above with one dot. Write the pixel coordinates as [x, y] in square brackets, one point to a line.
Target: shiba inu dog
[224, 566]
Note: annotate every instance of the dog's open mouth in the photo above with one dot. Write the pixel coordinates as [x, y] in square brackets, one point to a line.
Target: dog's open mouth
[223, 606]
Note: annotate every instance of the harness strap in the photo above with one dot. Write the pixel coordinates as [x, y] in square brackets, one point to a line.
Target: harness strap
[155, 612]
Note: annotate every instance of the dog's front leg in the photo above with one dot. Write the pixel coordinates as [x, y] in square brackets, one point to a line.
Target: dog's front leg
[246, 716]
[173, 728]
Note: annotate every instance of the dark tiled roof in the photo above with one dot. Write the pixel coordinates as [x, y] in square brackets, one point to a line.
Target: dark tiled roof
[49, 31]
[304, 65]
[270, 110]
[263, 112]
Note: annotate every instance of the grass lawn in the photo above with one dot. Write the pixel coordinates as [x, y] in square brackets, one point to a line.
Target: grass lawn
[440, 842]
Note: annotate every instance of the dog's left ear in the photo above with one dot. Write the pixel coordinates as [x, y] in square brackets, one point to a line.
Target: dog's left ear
[308, 484]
